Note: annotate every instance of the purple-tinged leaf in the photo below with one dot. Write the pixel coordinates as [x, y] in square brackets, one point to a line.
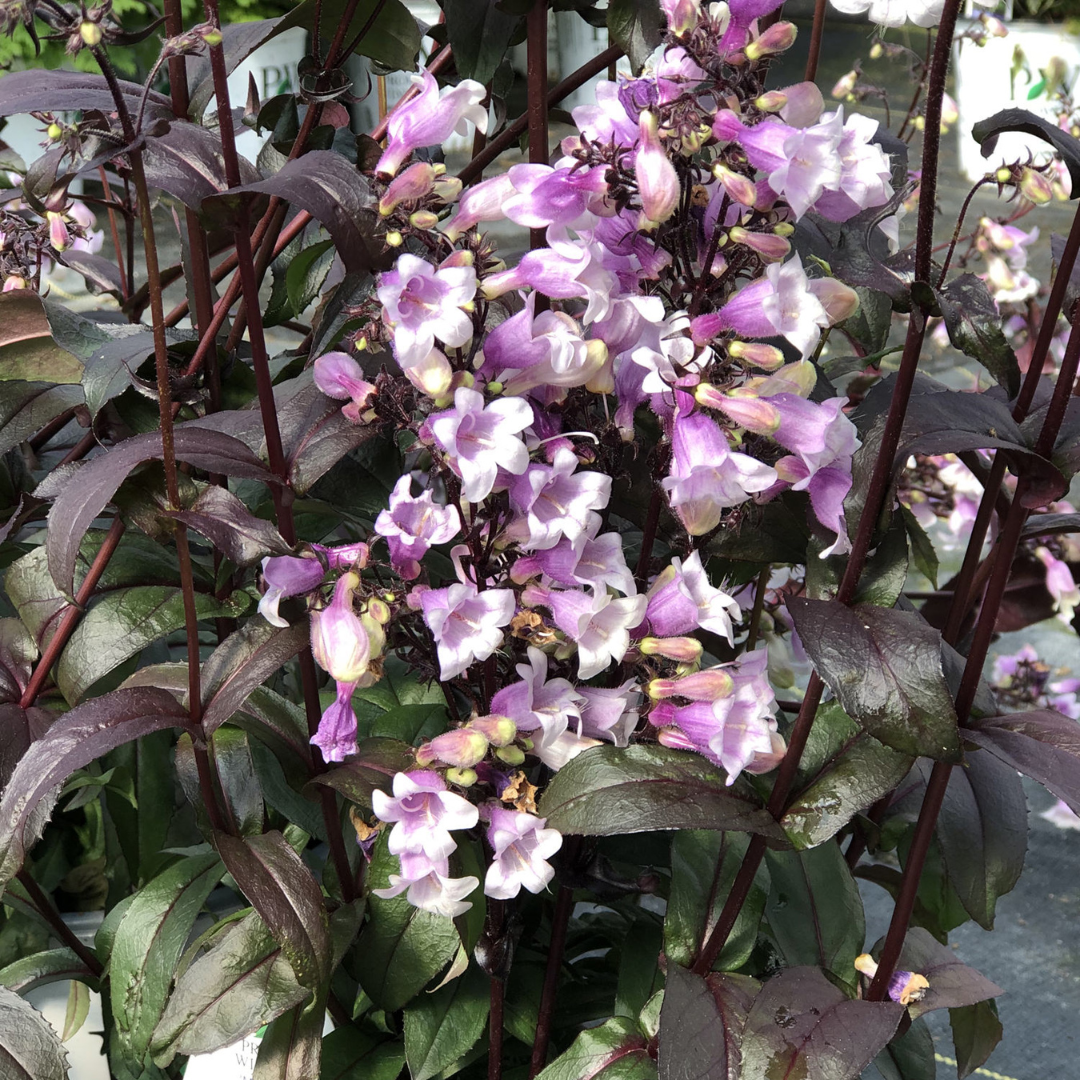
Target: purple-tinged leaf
[18, 651]
[1043, 744]
[952, 983]
[982, 829]
[609, 791]
[28, 352]
[89, 490]
[885, 668]
[26, 407]
[279, 725]
[701, 1025]
[72, 742]
[373, 767]
[291, 1049]
[1072, 288]
[30, 1049]
[245, 660]
[288, 899]
[976, 1030]
[974, 326]
[100, 274]
[616, 1049]
[232, 528]
[1050, 525]
[334, 192]
[801, 1025]
[239, 41]
[72, 91]
[18, 729]
[986, 133]
[43, 968]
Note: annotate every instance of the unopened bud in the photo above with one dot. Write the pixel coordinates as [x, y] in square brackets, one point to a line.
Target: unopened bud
[414, 183]
[511, 755]
[752, 413]
[54, 131]
[447, 190]
[1003, 175]
[423, 219]
[769, 246]
[741, 188]
[771, 101]
[712, 684]
[460, 257]
[799, 378]
[394, 239]
[686, 650]
[379, 611]
[762, 763]
[210, 34]
[14, 283]
[1035, 187]
[784, 228]
[461, 777]
[682, 15]
[877, 51]
[845, 84]
[59, 237]
[90, 32]
[777, 38]
[766, 357]
[498, 730]
[463, 748]
[839, 300]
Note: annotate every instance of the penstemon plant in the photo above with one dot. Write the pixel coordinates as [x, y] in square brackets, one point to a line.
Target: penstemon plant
[522, 671]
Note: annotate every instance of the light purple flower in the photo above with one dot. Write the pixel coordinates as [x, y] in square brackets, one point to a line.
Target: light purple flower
[339, 641]
[610, 713]
[423, 303]
[537, 701]
[522, 847]
[481, 202]
[865, 176]
[466, 624]
[682, 599]
[706, 477]
[339, 376]
[545, 196]
[598, 623]
[671, 358]
[1060, 584]
[412, 525]
[336, 736]
[895, 12]
[480, 440]
[657, 180]
[430, 886]
[555, 500]
[423, 812]
[286, 576]
[607, 121]
[430, 118]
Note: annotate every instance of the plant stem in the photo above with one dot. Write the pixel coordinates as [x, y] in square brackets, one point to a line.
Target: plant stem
[959, 226]
[124, 294]
[759, 607]
[560, 922]
[52, 917]
[495, 1028]
[816, 34]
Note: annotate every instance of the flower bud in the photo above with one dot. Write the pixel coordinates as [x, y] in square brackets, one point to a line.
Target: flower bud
[433, 375]
[54, 131]
[685, 650]
[712, 684]
[658, 182]
[90, 32]
[208, 32]
[463, 748]
[460, 257]
[347, 556]
[59, 236]
[993, 26]
[447, 189]
[766, 357]
[338, 639]
[845, 84]
[512, 755]
[423, 219]
[498, 730]
[762, 763]
[682, 15]
[413, 184]
[839, 301]
[461, 777]
[741, 188]
[1035, 187]
[777, 38]
[877, 51]
[1003, 175]
[769, 246]
[771, 101]
[14, 283]
[799, 378]
[752, 413]
[394, 239]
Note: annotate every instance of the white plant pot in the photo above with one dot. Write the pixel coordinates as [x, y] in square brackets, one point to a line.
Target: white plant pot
[983, 87]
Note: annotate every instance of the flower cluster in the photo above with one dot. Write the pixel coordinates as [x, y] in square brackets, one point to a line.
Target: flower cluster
[667, 317]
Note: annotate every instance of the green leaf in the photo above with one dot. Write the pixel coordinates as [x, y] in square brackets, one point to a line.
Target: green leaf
[982, 829]
[614, 1051]
[78, 1008]
[923, 552]
[240, 984]
[29, 1047]
[26, 407]
[149, 940]
[28, 352]
[608, 790]
[231, 755]
[351, 1054]
[869, 326]
[885, 668]
[40, 969]
[639, 971]
[480, 32]
[280, 795]
[402, 948]
[976, 1030]
[635, 25]
[122, 623]
[291, 1049]
[282, 890]
[814, 910]
[444, 1026]
[908, 1057]
[699, 890]
[306, 274]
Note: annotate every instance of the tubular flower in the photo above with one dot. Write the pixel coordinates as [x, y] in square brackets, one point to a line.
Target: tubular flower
[521, 846]
[658, 182]
[338, 639]
[466, 624]
[285, 576]
[412, 525]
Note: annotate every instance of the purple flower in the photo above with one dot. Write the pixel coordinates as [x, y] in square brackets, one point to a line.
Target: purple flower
[286, 576]
[610, 713]
[537, 701]
[412, 525]
[465, 623]
[657, 180]
[336, 737]
[423, 812]
[521, 846]
[598, 623]
[433, 891]
[1060, 584]
[423, 303]
[481, 202]
[546, 196]
[865, 176]
[338, 639]
[429, 119]
[339, 376]
[706, 476]
[682, 599]
[556, 501]
[607, 121]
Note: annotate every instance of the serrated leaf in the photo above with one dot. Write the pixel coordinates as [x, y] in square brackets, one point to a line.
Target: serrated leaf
[616, 1050]
[885, 668]
[351, 1054]
[148, 943]
[40, 969]
[29, 1047]
[122, 623]
[442, 1027]
[607, 790]
[232, 528]
[306, 274]
[974, 326]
